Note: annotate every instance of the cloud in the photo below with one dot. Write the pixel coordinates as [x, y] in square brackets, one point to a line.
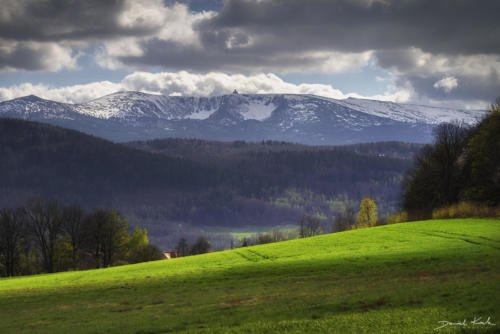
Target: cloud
[478, 75]
[458, 39]
[35, 56]
[54, 20]
[172, 55]
[216, 83]
[186, 84]
[43, 35]
[68, 94]
[193, 41]
[358, 25]
[420, 42]
[447, 84]
[176, 41]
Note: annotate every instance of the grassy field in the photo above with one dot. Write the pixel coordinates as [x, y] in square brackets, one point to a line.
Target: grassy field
[402, 278]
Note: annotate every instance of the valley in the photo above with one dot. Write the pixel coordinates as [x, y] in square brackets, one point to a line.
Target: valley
[182, 187]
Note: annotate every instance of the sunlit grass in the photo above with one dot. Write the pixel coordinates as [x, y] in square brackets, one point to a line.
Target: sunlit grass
[397, 278]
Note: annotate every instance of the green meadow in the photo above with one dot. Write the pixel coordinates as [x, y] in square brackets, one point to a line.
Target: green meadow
[401, 278]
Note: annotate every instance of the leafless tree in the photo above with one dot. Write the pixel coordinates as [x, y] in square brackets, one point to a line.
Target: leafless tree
[44, 221]
[72, 224]
[12, 230]
[309, 226]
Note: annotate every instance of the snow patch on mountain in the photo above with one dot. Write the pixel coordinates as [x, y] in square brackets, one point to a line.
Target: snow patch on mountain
[411, 113]
[200, 114]
[258, 111]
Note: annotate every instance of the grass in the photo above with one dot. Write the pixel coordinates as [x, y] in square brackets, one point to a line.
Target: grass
[401, 278]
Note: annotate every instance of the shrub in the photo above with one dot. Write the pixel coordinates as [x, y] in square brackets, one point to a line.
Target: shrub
[466, 210]
[397, 218]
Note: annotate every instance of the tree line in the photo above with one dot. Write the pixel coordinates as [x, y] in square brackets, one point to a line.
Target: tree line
[462, 165]
[44, 236]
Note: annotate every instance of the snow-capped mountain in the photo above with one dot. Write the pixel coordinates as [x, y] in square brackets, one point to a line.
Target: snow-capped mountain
[308, 119]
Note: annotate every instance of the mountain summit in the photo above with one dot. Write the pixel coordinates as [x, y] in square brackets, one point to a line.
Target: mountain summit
[307, 119]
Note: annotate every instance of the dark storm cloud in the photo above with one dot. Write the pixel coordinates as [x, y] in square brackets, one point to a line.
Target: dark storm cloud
[56, 20]
[173, 55]
[246, 33]
[24, 57]
[438, 26]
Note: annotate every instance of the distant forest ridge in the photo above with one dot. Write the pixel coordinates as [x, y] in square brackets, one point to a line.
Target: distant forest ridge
[180, 186]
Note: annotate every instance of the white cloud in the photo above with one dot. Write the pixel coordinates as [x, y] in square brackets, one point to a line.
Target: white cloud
[216, 83]
[335, 62]
[447, 84]
[68, 94]
[176, 24]
[187, 84]
[146, 14]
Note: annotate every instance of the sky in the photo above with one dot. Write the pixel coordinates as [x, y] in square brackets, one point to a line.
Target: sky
[436, 52]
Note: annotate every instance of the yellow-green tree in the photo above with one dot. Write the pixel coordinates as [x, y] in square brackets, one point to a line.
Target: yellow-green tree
[367, 215]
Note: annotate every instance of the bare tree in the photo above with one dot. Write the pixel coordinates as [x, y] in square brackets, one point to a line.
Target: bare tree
[11, 234]
[44, 221]
[345, 220]
[72, 224]
[309, 226]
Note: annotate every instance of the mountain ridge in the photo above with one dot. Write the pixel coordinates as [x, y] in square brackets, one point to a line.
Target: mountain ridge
[306, 119]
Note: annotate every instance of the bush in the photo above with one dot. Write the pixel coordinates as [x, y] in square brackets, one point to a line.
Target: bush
[397, 218]
[466, 210]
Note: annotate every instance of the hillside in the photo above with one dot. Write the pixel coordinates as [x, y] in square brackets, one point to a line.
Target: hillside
[306, 119]
[401, 278]
[195, 185]
[66, 164]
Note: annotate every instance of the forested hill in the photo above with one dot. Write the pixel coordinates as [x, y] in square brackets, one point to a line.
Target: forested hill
[56, 162]
[193, 184]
